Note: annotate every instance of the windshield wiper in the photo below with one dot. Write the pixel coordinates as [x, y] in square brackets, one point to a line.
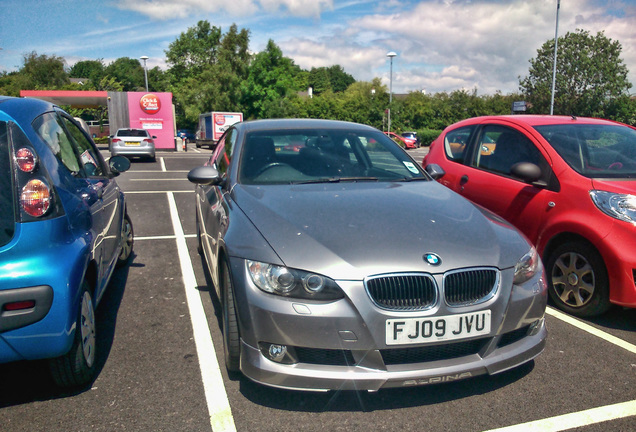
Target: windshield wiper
[410, 179]
[335, 180]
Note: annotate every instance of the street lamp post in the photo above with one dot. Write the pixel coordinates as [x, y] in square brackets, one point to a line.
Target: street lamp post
[554, 66]
[144, 58]
[390, 55]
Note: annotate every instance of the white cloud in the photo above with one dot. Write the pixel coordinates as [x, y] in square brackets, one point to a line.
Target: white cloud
[304, 8]
[449, 45]
[170, 9]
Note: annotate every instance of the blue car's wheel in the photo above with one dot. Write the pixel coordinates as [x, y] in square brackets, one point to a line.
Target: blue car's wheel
[128, 240]
[77, 367]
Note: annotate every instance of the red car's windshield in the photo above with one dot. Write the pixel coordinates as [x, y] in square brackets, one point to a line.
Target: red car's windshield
[595, 150]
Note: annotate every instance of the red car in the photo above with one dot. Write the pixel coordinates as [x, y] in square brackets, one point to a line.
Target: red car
[407, 143]
[568, 183]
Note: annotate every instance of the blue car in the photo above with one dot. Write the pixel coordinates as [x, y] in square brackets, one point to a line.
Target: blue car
[63, 230]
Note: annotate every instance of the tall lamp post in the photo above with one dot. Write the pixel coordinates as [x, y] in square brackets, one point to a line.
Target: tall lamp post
[390, 55]
[554, 66]
[144, 58]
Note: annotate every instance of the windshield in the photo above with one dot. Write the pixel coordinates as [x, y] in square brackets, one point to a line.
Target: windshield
[595, 151]
[311, 156]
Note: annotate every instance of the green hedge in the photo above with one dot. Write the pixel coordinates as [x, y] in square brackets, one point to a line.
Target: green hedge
[427, 136]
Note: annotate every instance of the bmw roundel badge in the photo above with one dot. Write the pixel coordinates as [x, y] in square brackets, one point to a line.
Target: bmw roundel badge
[432, 259]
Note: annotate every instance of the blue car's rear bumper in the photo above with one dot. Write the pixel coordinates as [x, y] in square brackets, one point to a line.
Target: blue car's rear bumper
[47, 272]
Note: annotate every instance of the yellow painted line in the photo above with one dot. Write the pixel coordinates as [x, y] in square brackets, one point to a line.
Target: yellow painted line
[575, 420]
[592, 330]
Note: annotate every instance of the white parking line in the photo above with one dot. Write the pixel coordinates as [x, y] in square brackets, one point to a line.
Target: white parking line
[218, 404]
[158, 179]
[592, 330]
[574, 420]
[164, 237]
[587, 417]
[163, 164]
[159, 192]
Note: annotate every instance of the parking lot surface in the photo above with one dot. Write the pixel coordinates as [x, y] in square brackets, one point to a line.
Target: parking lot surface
[162, 368]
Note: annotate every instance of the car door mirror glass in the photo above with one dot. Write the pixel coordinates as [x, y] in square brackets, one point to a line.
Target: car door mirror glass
[118, 164]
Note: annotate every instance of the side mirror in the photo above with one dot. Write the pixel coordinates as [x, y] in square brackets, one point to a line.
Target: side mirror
[435, 171]
[526, 171]
[118, 164]
[205, 175]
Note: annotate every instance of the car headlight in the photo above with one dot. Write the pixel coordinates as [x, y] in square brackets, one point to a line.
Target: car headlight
[295, 283]
[528, 266]
[619, 206]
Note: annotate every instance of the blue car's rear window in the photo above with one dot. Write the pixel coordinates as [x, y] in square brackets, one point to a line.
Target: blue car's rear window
[7, 218]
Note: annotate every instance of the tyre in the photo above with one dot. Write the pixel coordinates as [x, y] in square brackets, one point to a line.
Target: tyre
[128, 240]
[231, 337]
[578, 282]
[199, 241]
[77, 367]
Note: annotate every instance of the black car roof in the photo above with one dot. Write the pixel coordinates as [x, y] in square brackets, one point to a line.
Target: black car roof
[278, 124]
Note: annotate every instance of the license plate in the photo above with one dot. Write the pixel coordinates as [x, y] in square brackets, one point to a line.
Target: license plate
[434, 329]
[133, 143]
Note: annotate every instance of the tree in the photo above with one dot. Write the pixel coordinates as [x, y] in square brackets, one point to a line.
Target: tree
[207, 70]
[91, 69]
[194, 50]
[319, 80]
[43, 72]
[129, 72]
[270, 77]
[590, 75]
[339, 79]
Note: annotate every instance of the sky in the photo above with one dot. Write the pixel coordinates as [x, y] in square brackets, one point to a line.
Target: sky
[441, 45]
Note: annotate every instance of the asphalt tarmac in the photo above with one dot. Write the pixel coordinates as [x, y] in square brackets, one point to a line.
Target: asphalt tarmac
[162, 369]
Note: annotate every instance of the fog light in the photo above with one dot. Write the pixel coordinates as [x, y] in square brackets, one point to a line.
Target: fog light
[277, 352]
[535, 327]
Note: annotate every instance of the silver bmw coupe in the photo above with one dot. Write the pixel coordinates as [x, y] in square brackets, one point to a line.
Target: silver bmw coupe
[340, 264]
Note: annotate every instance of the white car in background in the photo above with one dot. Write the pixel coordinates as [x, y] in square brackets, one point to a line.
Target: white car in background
[133, 143]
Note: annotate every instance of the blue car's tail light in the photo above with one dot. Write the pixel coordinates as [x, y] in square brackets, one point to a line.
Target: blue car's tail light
[35, 194]
[35, 198]
[26, 160]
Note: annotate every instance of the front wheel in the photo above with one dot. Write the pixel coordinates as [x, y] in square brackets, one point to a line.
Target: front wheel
[77, 367]
[578, 279]
[231, 337]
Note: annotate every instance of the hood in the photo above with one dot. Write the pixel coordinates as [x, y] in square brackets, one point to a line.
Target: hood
[626, 186]
[353, 230]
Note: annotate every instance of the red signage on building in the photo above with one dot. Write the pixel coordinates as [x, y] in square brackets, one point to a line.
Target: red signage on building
[150, 103]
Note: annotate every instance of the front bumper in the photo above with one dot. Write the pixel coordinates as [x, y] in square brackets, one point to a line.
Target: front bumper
[343, 342]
